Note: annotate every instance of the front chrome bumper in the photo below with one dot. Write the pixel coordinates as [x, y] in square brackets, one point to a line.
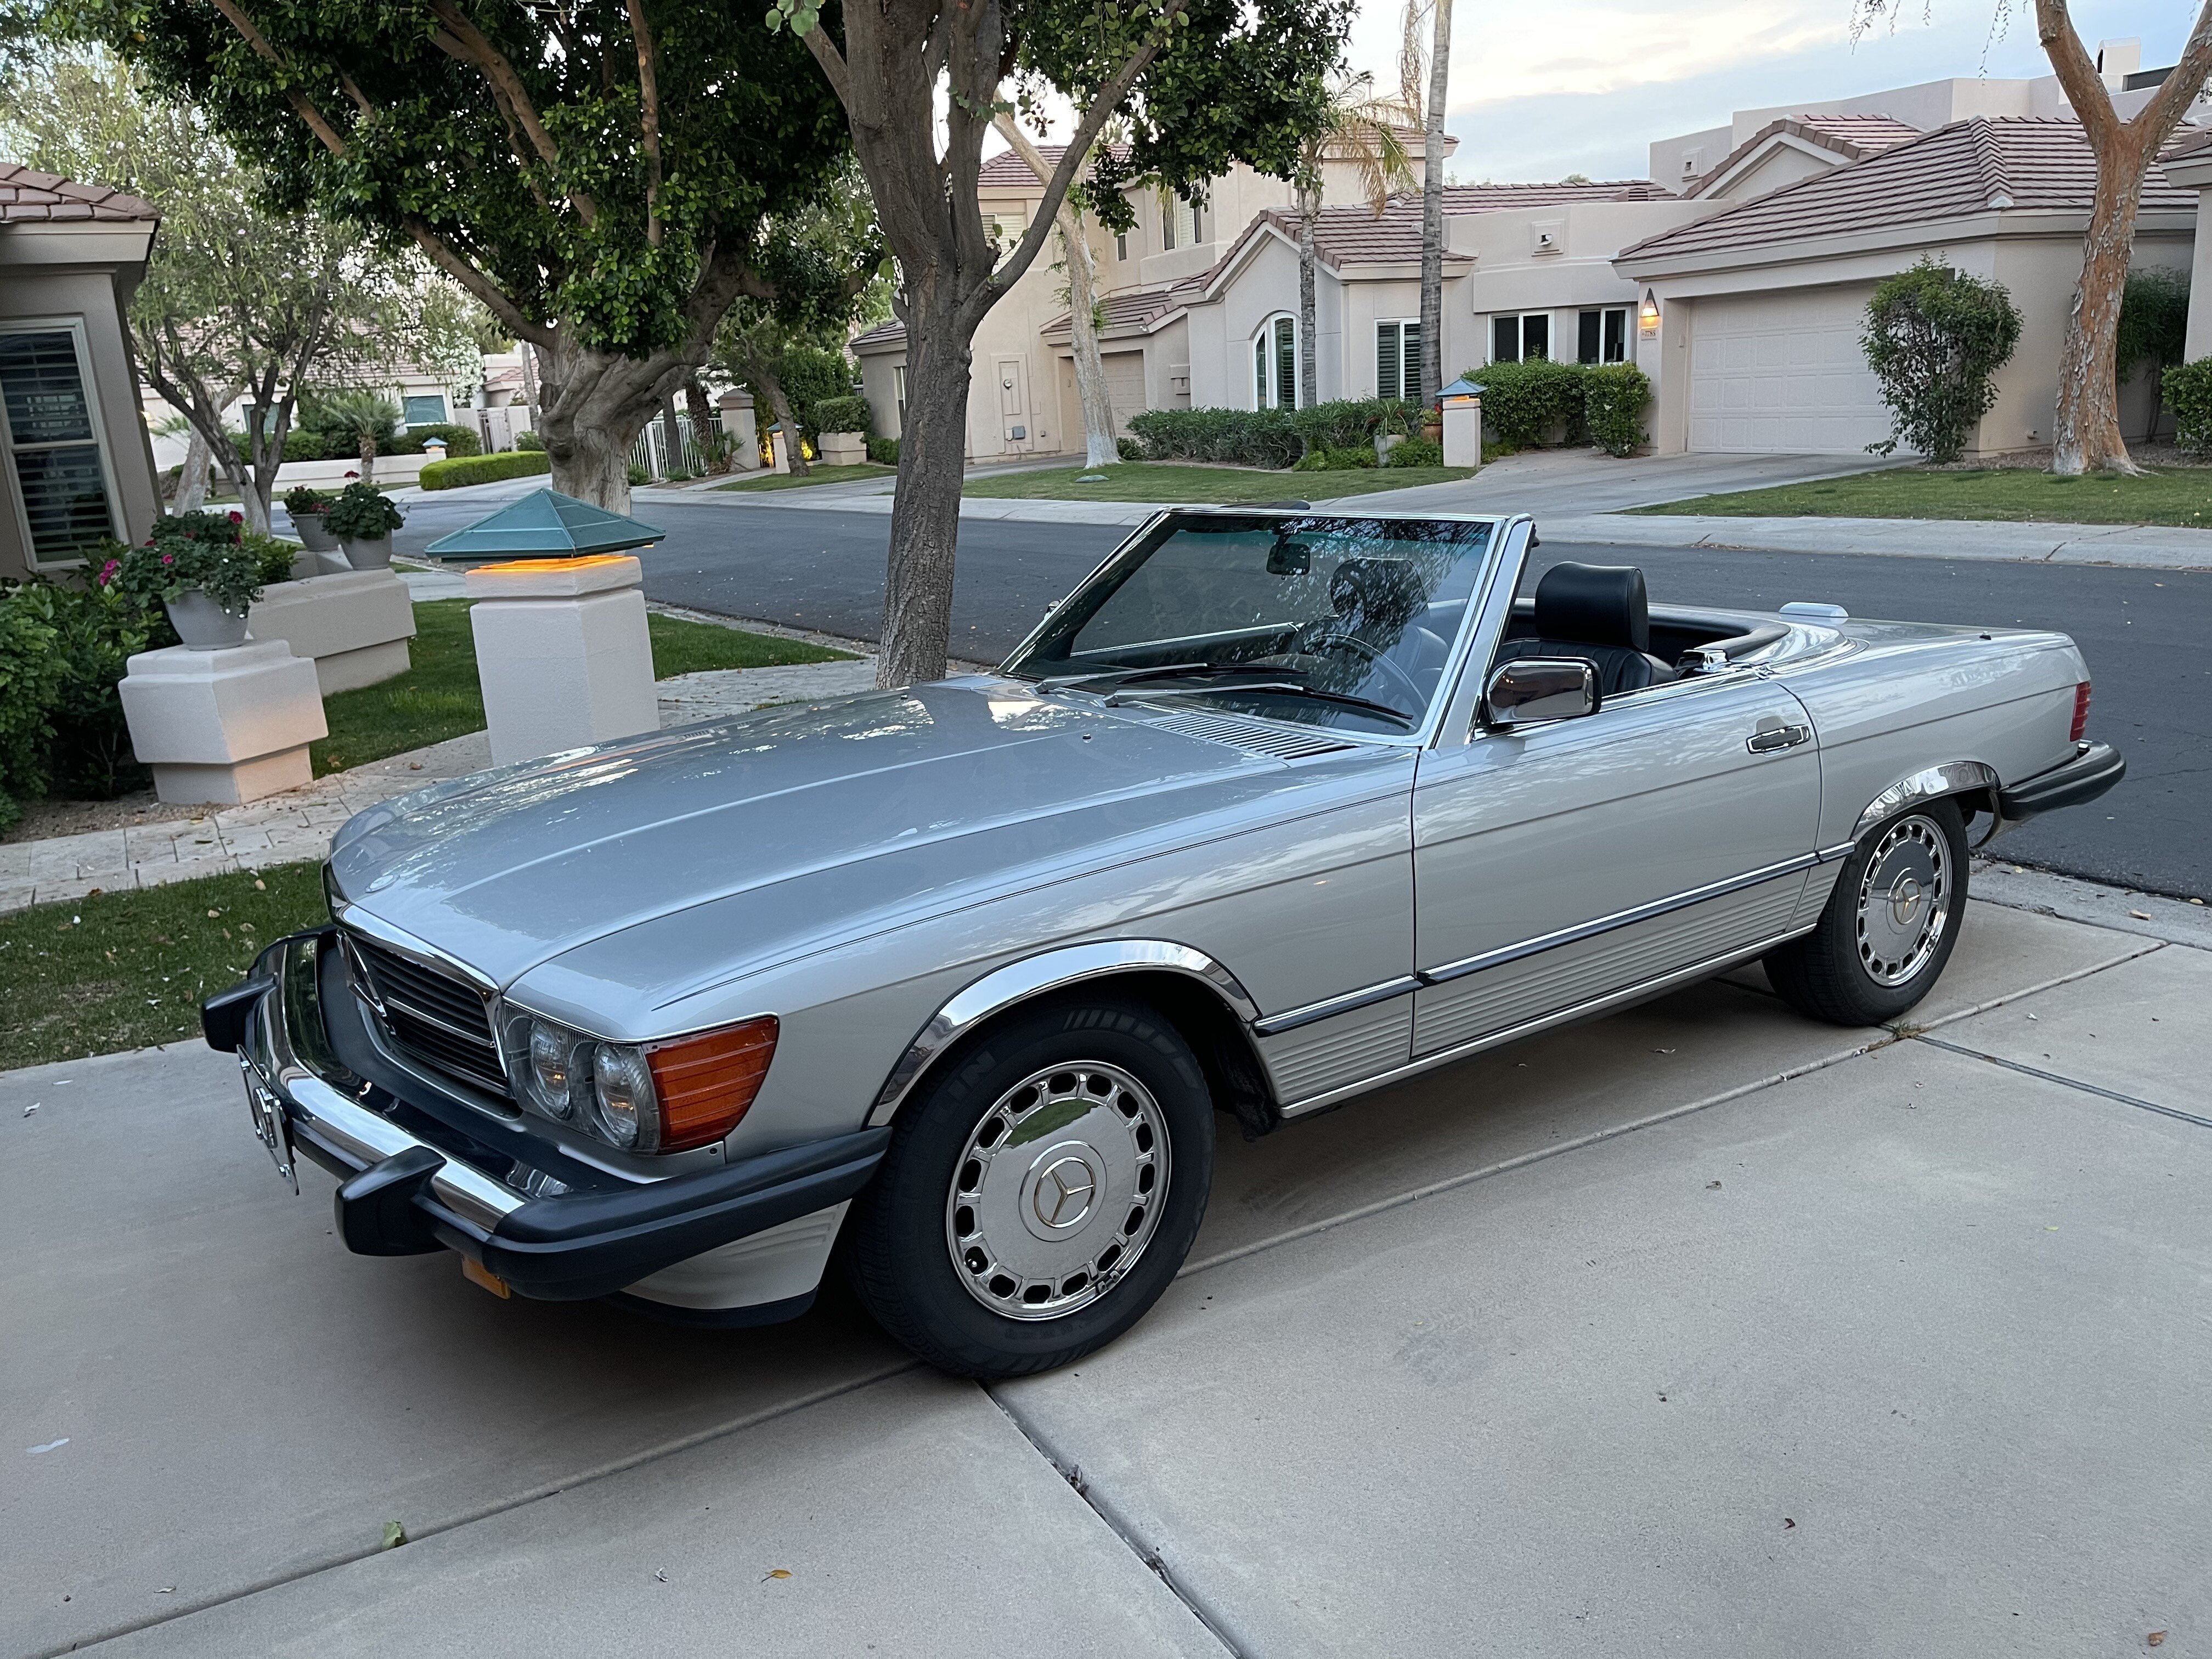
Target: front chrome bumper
[410, 1183]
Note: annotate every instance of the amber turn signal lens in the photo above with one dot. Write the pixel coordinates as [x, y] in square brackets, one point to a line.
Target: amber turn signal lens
[707, 1083]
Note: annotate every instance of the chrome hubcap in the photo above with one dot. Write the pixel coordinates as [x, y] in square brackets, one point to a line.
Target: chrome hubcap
[1904, 900]
[1058, 1190]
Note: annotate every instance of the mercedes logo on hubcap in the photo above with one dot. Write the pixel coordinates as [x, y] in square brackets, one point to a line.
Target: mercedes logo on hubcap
[1904, 900]
[1063, 1193]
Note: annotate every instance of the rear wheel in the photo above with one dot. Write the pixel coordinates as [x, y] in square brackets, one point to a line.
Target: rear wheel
[1041, 1194]
[1889, 926]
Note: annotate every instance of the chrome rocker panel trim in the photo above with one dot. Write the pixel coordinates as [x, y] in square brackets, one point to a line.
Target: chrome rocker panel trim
[1016, 982]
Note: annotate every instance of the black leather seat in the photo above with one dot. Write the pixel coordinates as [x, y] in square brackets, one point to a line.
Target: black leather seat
[1598, 613]
[1383, 603]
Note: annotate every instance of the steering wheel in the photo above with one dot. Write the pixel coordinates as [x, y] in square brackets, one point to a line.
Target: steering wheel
[1359, 646]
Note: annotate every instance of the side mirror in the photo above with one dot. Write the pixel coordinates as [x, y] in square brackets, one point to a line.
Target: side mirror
[1533, 689]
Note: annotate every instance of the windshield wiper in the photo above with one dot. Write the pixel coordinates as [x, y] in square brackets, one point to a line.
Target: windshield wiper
[1130, 676]
[1293, 687]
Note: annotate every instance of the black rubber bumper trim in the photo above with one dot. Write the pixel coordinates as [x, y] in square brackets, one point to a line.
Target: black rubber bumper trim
[592, 1243]
[2086, 776]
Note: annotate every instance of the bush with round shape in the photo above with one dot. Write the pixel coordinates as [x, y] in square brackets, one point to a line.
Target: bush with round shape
[483, 468]
[843, 415]
[1415, 451]
[884, 452]
[1092, 1111]
[458, 440]
[1889, 926]
[363, 512]
[1523, 404]
[528, 440]
[1614, 398]
[2188, 390]
[1935, 338]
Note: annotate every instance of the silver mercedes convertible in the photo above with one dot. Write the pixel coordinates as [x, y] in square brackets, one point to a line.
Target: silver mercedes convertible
[952, 981]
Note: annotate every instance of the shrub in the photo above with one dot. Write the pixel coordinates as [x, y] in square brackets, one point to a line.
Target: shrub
[2154, 318]
[273, 557]
[843, 415]
[1934, 338]
[30, 683]
[2188, 393]
[1245, 437]
[307, 498]
[638, 476]
[884, 452]
[1347, 421]
[1615, 395]
[341, 419]
[100, 629]
[1415, 451]
[459, 441]
[528, 440]
[811, 375]
[363, 510]
[1129, 449]
[483, 468]
[172, 564]
[1523, 403]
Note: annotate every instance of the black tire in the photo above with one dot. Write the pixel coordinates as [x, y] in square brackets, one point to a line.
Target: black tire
[1837, 972]
[969, 1123]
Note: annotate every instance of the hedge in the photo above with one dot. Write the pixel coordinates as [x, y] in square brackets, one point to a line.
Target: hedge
[1523, 403]
[843, 415]
[2188, 389]
[1615, 395]
[1415, 451]
[460, 469]
[1242, 437]
[884, 452]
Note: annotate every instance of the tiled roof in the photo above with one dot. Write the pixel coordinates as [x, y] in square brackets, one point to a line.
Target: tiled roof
[1354, 234]
[2025, 164]
[26, 196]
[1007, 171]
[882, 337]
[2190, 141]
[1132, 310]
[1852, 137]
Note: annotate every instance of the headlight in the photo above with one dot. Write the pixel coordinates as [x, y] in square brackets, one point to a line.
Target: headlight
[622, 1086]
[550, 1067]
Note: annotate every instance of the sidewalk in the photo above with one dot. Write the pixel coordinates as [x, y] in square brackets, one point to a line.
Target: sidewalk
[1700, 1329]
[298, 824]
[2156, 546]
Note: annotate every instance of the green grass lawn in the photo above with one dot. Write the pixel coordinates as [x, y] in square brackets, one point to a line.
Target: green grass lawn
[2174, 495]
[439, 696]
[120, 970]
[1174, 481]
[819, 475]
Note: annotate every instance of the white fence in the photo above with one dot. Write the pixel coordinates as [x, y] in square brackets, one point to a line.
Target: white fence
[651, 451]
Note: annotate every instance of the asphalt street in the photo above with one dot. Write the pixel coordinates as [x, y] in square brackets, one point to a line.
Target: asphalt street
[2143, 632]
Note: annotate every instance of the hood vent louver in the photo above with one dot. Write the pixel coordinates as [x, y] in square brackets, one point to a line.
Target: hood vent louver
[1256, 735]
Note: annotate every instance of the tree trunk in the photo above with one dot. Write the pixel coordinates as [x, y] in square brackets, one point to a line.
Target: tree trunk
[780, 402]
[672, 439]
[1309, 378]
[926, 507]
[713, 448]
[595, 403]
[1099, 448]
[2086, 436]
[1432, 213]
[367, 454]
[192, 476]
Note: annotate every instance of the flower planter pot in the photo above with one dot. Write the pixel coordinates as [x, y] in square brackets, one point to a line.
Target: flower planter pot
[312, 536]
[368, 552]
[203, 625]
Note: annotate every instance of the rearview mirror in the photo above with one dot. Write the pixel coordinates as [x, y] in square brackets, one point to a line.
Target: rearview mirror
[1289, 559]
[1532, 688]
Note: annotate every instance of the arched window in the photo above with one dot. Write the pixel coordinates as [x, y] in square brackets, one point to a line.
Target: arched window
[1275, 363]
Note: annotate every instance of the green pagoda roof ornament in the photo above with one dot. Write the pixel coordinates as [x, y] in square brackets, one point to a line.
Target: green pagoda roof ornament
[544, 525]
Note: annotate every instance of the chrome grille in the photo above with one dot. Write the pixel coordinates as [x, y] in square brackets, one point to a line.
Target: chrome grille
[431, 1016]
[1259, 738]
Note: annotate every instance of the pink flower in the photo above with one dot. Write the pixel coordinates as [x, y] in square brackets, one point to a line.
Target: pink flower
[353, 475]
[238, 518]
[169, 558]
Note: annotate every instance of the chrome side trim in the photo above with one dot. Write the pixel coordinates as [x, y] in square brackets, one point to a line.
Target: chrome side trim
[1460, 969]
[1832, 854]
[1529, 1028]
[1291, 1019]
[1951, 778]
[1002, 987]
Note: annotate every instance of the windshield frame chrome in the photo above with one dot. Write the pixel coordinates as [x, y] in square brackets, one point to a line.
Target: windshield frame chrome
[1422, 733]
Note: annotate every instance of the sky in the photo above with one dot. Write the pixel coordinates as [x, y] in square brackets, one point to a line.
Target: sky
[1542, 90]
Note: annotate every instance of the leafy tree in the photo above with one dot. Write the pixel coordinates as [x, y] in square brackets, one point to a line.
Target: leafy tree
[597, 174]
[2085, 428]
[1362, 130]
[1091, 391]
[1199, 83]
[1934, 338]
[237, 300]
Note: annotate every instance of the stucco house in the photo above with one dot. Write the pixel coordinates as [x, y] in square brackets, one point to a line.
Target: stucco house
[74, 464]
[1760, 307]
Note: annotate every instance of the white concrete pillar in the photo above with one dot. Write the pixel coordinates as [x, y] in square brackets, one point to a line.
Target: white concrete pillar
[1463, 430]
[562, 653]
[223, 727]
[740, 421]
[354, 627]
[781, 461]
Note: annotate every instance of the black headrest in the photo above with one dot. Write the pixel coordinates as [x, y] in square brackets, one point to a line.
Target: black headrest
[1387, 592]
[1593, 605]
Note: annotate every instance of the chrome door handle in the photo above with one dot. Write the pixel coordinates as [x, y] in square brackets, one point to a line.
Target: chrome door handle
[1766, 742]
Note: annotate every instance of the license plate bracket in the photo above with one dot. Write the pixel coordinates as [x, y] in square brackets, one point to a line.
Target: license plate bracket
[272, 1127]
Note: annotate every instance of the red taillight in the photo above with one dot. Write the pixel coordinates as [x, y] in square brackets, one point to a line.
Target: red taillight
[2081, 712]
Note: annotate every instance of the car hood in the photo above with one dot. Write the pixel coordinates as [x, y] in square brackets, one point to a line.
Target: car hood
[815, 817]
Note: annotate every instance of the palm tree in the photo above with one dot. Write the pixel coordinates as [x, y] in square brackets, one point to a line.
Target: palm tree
[1361, 129]
[368, 418]
[1433, 180]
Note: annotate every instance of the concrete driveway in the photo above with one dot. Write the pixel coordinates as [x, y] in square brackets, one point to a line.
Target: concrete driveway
[1559, 483]
[1702, 1330]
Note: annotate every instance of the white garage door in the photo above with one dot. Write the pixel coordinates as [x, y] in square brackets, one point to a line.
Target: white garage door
[1125, 387]
[1784, 372]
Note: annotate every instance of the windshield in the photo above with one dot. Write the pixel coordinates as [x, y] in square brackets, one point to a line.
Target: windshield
[1340, 621]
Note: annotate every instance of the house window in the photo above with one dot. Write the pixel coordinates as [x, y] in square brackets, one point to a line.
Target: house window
[1398, 358]
[1517, 339]
[1275, 364]
[1601, 336]
[427, 411]
[53, 446]
[1178, 222]
[1120, 243]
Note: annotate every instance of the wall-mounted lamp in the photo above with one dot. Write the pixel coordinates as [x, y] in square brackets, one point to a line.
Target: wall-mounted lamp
[1647, 314]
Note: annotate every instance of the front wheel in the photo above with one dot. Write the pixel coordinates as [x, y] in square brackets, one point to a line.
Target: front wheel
[1889, 926]
[1041, 1194]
